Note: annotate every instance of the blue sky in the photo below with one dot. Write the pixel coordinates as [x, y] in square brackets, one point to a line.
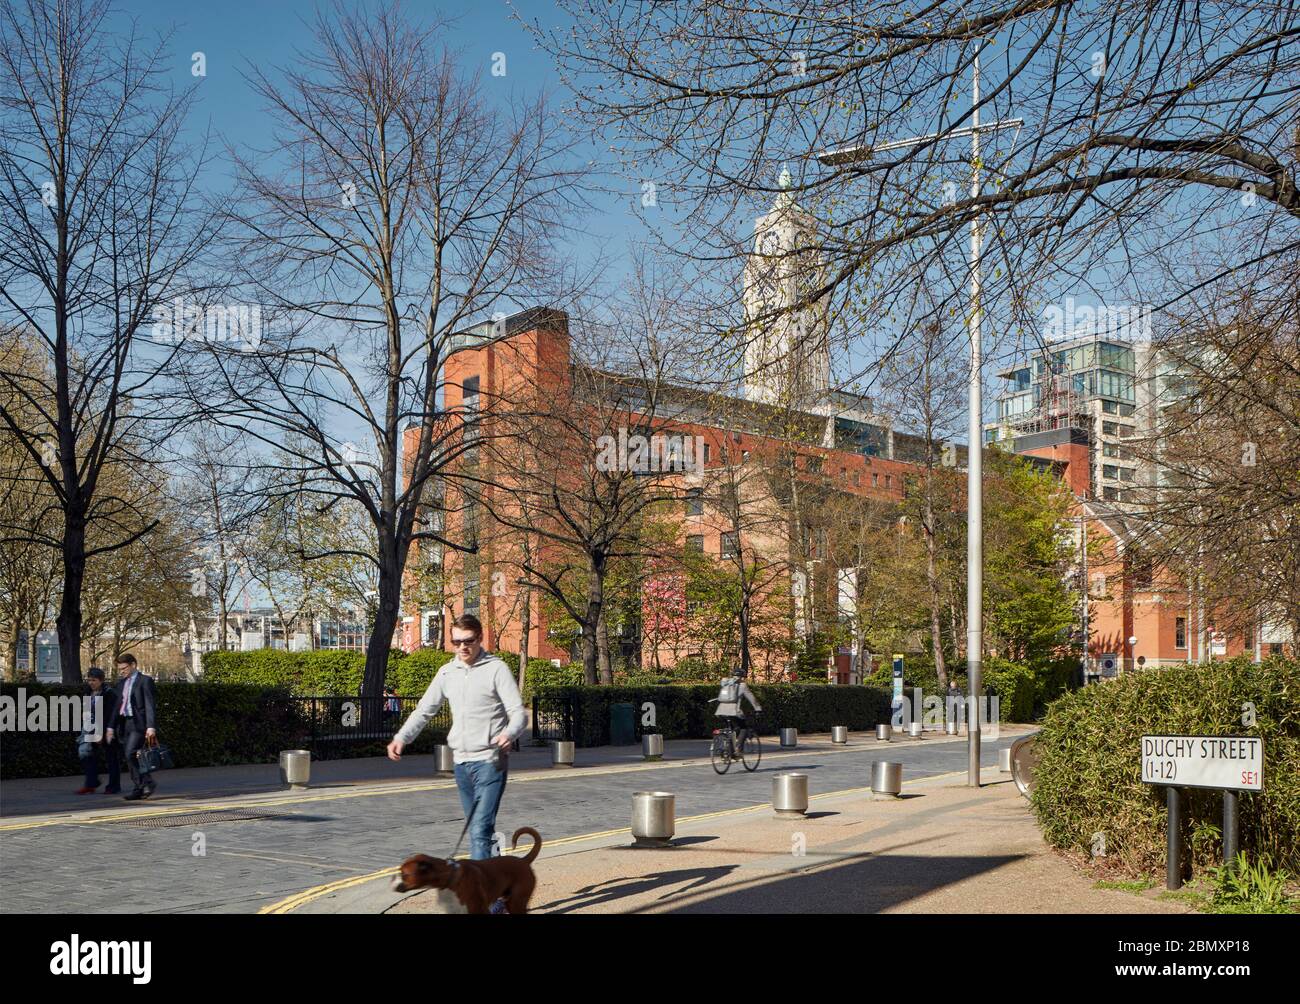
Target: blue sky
[265, 33]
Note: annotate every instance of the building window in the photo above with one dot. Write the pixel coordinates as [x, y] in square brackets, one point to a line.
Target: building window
[1110, 494]
[1180, 632]
[744, 456]
[1110, 471]
[875, 480]
[813, 464]
[1126, 411]
[735, 437]
[1109, 428]
[857, 479]
[706, 453]
[889, 481]
[1248, 641]
[1111, 449]
[694, 502]
[730, 544]
[695, 542]
[1110, 407]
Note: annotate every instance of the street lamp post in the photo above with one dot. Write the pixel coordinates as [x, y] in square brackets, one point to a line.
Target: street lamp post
[975, 412]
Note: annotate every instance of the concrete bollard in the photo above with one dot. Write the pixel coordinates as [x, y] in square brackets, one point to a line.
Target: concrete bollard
[443, 760]
[790, 795]
[562, 753]
[295, 768]
[789, 738]
[886, 779]
[884, 733]
[839, 734]
[652, 746]
[914, 730]
[1004, 760]
[653, 818]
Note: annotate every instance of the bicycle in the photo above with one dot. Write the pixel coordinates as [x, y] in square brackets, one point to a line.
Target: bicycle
[725, 749]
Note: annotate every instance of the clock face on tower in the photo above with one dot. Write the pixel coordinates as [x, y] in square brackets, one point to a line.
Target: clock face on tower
[770, 244]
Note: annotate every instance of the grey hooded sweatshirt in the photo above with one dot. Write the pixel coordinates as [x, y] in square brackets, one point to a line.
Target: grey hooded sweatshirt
[484, 702]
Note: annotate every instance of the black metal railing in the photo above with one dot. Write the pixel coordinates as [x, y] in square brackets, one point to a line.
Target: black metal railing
[367, 719]
[555, 718]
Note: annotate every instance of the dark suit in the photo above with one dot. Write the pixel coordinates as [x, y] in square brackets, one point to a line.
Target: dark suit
[131, 727]
[90, 762]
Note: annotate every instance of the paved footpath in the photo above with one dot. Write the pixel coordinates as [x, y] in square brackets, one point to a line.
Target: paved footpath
[232, 839]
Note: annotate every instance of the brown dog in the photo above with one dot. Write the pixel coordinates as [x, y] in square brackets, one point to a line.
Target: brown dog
[477, 884]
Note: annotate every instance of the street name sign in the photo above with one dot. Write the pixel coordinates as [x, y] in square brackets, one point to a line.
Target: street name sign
[1222, 762]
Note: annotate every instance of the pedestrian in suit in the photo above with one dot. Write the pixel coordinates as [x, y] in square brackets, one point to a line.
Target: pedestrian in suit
[137, 721]
[99, 736]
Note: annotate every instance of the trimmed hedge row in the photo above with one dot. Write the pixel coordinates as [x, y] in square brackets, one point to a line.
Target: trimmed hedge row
[686, 712]
[1088, 779]
[324, 672]
[204, 725]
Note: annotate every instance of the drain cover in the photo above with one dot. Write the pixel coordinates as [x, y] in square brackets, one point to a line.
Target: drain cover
[200, 818]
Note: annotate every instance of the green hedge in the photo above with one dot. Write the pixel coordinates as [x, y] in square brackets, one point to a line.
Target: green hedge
[204, 725]
[322, 672]
[686, 712]
[541, 673]
[1088, 779]
[1020, 690]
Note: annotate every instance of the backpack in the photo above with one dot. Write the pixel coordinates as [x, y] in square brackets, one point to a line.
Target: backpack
[730, 692]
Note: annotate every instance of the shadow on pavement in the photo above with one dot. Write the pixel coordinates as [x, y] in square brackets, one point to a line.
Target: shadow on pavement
[863, 886]
[615, 889]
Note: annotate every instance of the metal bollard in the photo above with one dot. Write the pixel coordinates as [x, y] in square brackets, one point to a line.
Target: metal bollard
[886, 779]
[652, 746]
[443, 760]
[790, 795]
[562, 753]
[839, 734]
[789, 738]
[653, 818]
[295, 768]
[1004, 760]
[884, 733]
[914, 730]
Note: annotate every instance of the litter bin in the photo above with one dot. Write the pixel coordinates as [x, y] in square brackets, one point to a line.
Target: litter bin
[622, 724]
[295, 768]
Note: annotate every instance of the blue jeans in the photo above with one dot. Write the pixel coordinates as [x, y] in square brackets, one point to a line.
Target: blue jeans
[479, 782]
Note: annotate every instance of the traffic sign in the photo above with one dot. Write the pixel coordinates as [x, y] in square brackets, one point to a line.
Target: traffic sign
[1234, 763]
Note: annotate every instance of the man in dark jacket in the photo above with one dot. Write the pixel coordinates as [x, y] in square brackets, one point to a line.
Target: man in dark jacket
[96, 736]
[137, 721]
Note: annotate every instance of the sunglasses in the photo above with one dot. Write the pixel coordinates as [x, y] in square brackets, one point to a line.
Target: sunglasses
[463, 642]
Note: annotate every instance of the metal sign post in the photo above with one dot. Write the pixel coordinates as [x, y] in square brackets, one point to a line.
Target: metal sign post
[1230, 764]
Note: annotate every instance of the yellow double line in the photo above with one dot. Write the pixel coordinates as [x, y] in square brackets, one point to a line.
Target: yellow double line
[292, 903]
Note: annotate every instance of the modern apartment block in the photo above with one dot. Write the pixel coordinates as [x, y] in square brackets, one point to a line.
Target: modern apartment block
[1102, 386]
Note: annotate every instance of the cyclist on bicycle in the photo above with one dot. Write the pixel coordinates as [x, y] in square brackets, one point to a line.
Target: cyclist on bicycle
[734, 690]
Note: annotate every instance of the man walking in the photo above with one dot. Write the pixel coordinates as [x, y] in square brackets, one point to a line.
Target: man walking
[487, 714]
[137, 721]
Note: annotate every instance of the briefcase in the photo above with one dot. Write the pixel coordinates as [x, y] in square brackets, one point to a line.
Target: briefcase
[154, 756]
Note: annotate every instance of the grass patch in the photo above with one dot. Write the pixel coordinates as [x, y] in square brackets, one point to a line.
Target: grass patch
[1123, 885]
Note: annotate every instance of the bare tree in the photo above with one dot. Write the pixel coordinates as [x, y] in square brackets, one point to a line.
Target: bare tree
[1143, 123]
[395, 207]
[99, 224]
[1221, 516]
